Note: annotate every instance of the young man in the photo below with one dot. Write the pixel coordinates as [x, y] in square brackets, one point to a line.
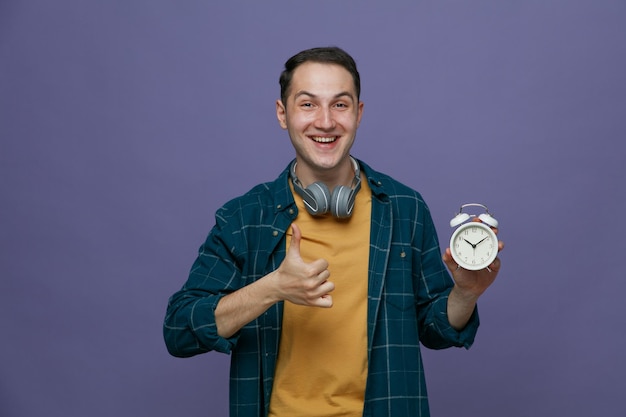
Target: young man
[323, 283]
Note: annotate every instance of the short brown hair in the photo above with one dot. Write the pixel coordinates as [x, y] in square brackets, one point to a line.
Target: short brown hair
[324, 55]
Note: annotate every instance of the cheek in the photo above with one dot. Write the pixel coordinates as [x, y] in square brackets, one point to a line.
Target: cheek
[299, 122]
[349, 119]
[349, 123]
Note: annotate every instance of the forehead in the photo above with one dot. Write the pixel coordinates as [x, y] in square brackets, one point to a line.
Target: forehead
[321, 78]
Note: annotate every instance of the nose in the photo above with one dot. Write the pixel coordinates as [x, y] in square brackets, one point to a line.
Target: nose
[325, 119]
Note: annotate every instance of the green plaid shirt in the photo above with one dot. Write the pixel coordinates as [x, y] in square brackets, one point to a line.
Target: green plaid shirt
[407, 296]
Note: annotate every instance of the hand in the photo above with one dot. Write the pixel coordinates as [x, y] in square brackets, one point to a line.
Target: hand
[300, 282]
[471, 284]
[295, 280]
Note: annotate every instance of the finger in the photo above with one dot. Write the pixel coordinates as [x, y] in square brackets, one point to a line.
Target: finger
[477, 220]
[325, 301]
[327, 287]
[324, 275]
[295, 240]
[449, 261]
[320, 297]
[319, 266]
[495, 265]
[323, 287]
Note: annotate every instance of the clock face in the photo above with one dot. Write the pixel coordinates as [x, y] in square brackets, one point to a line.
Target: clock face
[474, 246]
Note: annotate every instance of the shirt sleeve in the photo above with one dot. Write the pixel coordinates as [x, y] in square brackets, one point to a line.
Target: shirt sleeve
[189, 327]
[440, 334]
[434, 289]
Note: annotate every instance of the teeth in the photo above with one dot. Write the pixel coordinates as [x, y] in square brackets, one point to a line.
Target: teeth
[323, 140]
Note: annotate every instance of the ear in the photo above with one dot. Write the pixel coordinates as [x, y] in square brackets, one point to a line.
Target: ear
[359, 114]
[281, 114]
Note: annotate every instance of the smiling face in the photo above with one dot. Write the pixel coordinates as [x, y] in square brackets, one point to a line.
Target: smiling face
[322, 113]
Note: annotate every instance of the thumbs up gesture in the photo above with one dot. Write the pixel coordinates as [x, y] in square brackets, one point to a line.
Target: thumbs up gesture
[300, 282]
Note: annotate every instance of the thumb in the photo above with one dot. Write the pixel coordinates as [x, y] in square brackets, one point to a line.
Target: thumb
[448, 260]
[295, 240]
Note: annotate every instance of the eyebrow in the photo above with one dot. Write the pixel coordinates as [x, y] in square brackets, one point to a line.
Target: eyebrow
[338, 95]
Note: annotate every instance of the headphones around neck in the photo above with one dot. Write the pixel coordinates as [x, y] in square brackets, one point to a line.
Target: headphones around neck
[318, 199]
[463, 217]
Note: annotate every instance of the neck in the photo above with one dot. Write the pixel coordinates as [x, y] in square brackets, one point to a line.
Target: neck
[340, 175]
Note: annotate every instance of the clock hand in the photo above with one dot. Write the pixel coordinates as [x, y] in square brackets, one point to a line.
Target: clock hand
[481, 241]
[471, 244]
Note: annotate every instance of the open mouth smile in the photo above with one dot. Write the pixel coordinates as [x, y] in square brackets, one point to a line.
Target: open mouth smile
[323, 139]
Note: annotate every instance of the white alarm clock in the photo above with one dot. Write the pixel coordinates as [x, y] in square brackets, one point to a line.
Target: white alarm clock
[474, 245]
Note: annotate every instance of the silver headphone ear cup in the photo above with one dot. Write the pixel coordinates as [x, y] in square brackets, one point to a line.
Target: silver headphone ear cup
[458, 219]
[488, 220]
[317, 199]
[342, 202]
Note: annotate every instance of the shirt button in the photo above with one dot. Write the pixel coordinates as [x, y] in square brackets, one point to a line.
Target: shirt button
[275, 233]
[279, 206]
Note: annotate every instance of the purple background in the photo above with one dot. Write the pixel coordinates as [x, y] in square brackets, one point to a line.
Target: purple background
[124, 125]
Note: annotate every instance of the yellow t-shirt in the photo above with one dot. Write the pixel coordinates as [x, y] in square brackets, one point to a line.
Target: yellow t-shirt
[321, 368]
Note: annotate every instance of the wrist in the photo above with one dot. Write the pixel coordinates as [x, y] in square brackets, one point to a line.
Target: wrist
[270, 288]
[464, 295]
